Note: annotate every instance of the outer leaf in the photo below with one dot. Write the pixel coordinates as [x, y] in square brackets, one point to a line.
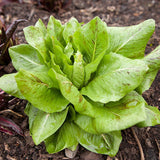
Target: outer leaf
[153, 117]
[35, 37]
[104, 144]
[70, 27]
[92, 39]
[39, 93]
[65, 137]
[9, 85]
[44, 124]
[130, 41]
[116, 76]
[147, 81]
[153, 62]
[24, 57]
[153, 59]
[114, 116]
[31, 112]
[69, 133]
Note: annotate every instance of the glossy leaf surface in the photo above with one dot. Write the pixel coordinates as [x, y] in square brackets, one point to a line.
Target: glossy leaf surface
[39, 94]
[130, 41]
[43, 124]
[116, 76]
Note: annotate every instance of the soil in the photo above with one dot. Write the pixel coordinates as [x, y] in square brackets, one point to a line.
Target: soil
[114, 13]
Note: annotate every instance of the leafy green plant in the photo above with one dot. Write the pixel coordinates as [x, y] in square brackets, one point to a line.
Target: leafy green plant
[84, 83]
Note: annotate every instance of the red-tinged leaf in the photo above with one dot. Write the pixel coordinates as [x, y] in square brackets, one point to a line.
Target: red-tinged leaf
[7, 40]
[6, 131]
[10, 124]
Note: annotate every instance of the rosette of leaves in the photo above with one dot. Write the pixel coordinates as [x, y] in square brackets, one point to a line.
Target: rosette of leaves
[84, 83]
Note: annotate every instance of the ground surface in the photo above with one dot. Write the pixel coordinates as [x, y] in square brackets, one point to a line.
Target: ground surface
[114, 13]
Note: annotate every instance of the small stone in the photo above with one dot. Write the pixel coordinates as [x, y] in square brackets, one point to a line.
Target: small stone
[6, 147]
[111, 8]
[71, 154]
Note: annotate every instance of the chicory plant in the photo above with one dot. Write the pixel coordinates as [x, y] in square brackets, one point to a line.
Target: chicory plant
[84, 83]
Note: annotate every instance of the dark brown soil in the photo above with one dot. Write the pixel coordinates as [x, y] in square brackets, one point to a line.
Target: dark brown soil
[114, 13]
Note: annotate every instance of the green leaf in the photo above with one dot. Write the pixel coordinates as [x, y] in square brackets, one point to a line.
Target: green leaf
[35, 37]
[104, 144]
[9, 85]
[39, 93]
[78, 70]
[47, 38]
[70, 27]
[24, 57]
[71, 114]
[71, 93]
[147, 81]
[68, 50]
[90, 68]
[54, 65]
[92, 39]
[63, 61]
[53, 77]
[130, 41]
[55, 29]
[153, 62]
[153, 117]
[105, 117]
[114, 116]
[153, 59]
[31, 112]
[65, 137]
[45, 124]
[39, 24]
[116, 76]
[70, 134]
